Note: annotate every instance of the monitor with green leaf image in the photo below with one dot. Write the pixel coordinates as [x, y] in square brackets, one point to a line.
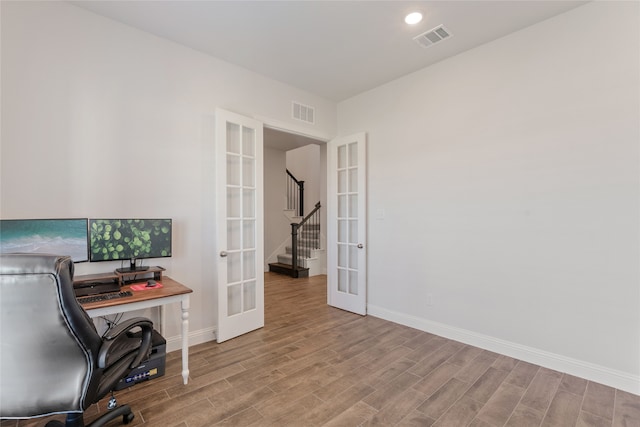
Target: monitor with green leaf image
[129, 239]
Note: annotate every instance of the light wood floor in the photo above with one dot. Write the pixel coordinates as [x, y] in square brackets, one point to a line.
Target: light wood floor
[314, 365]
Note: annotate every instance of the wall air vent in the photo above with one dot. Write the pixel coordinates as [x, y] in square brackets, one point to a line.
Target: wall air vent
[433, 36]
[303, 112]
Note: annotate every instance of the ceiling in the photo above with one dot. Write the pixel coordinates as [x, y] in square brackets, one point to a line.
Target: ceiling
[335, 49]
[285, 141]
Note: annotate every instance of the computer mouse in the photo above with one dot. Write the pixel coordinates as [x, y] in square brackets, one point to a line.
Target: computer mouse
[151, 283]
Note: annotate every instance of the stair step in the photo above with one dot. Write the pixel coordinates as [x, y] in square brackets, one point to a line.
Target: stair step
[287, 259]
[308, 242]
[287, 269]
[301, 250]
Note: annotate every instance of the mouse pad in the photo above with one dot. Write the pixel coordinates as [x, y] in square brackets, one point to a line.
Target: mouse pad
[143, 286]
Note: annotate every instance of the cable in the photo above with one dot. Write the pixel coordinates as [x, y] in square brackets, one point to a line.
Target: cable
[111, 323]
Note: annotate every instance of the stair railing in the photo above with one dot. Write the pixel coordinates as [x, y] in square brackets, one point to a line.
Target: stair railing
[295, 194]
[310, 223]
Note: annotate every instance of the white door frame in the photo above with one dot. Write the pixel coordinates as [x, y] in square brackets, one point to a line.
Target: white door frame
[289, 128]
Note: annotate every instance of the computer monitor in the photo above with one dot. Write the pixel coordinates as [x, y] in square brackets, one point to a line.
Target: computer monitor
[67, 236]
[129, 239]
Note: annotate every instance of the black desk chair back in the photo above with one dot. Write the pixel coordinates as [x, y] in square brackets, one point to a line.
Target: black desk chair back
[52, 359]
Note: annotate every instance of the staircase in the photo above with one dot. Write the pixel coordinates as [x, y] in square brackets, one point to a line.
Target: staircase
[308, 248]
[305, 244]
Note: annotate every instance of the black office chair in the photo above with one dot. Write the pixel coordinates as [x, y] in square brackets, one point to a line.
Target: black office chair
[52, 359]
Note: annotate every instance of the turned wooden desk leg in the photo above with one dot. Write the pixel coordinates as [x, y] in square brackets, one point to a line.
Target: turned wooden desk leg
[185, 338]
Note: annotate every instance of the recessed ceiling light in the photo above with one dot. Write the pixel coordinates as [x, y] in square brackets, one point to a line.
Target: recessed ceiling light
[413, 18]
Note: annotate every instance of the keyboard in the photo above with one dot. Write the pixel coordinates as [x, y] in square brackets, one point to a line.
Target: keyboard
[104, 297]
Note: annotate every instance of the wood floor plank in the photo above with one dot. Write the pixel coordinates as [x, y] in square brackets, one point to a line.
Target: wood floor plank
[418, 340]
[315, 365]
[416, 419]
[354, 416]
[390, 372]
[383, 392]
[291, 412]
[465, 355]
[599, 400]
[586, 419]
[460, 413]
[437, 378]
[524, 416]
[486, 385]
[573, 384]
[476, 367]
[320, 356]
[396, 408]
[522, 374]
[563, 411]
[247, 417]
[501, 405]
[438, 357]
[626, 410]
[424, 351]
[441, 400]
[336, 405]
[542, 389]
[505, 363]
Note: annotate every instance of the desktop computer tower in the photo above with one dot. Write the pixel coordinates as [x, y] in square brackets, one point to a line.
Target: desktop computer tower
[150, 368]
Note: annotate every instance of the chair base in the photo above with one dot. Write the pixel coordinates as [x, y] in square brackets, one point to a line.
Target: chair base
[77, 420]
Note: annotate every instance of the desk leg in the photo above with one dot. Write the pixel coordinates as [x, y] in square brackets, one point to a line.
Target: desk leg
[185, 338]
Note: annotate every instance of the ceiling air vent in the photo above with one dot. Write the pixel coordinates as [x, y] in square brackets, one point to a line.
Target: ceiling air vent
[303, 112]
[433, 36]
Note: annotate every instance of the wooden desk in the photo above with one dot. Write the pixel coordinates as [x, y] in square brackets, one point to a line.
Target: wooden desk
[170, 292]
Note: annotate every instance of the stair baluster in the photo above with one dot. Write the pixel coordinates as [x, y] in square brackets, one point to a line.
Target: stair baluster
[309, 225]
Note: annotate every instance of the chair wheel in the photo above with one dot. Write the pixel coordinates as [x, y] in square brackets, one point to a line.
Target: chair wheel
[127, 418]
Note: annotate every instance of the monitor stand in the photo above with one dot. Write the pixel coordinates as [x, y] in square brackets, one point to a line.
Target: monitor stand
[133, 268]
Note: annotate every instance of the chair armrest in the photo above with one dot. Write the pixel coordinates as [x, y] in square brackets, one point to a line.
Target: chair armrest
[111, 337]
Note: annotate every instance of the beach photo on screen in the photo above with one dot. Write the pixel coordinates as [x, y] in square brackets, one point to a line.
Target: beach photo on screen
[45, 236]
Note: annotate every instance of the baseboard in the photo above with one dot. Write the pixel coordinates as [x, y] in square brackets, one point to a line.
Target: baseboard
[600, 374]
[195, 337]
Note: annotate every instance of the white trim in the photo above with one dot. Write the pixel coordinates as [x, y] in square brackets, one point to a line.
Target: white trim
[293, 129]
[195, 337]
[600, 374]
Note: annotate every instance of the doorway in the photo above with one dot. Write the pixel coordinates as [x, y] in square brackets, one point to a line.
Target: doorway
[306, 157]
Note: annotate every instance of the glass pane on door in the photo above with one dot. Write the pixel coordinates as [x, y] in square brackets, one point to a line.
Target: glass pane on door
[233, 138]
[233, 235]
[234, 299]
[233, 267]
[347, 210]
[250, 295]
[241, 211]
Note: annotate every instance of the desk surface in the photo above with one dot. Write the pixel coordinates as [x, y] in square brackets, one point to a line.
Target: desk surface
[169, 288]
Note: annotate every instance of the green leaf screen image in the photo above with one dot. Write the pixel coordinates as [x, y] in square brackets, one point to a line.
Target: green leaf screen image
[123, 239]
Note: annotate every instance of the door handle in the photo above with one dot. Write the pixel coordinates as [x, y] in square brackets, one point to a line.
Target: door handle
[360, 246]
[223, 254]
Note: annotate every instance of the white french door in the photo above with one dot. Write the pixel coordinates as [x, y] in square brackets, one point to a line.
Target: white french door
[346, 224]
[239, 224]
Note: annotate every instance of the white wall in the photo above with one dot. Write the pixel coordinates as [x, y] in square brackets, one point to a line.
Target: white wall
[276, 225]
[102, 120]
[304, 164]
[509, 176]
